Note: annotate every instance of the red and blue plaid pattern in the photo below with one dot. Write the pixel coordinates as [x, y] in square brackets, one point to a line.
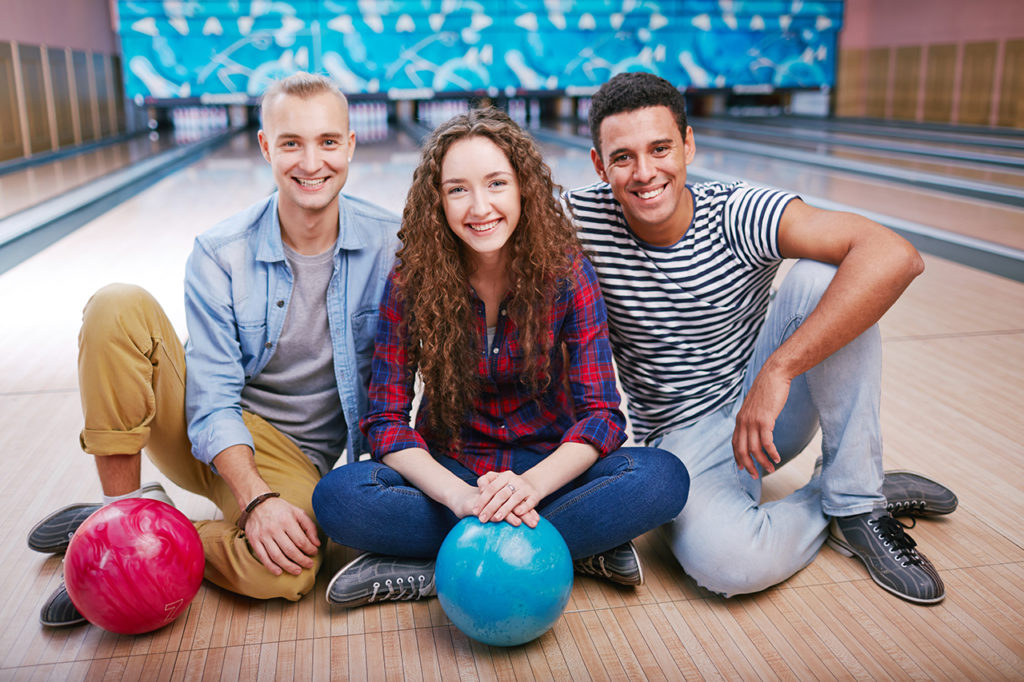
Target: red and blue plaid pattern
[506, 413]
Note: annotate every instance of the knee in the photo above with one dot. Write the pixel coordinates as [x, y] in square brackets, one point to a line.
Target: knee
[806, 282]
[668, 481]
[338, 496]
[284, 586]
[109, 305]
[727, 562]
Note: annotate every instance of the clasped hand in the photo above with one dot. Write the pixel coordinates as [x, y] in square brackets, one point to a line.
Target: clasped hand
[505, 496]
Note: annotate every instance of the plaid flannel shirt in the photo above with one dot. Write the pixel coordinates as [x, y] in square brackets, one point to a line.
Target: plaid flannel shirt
[507, 414]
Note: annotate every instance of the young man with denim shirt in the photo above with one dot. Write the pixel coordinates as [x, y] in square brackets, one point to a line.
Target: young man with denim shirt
[281, 305]
[735, 387]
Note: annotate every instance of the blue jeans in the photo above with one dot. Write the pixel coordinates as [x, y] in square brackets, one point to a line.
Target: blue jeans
[728, 541]
[369, 506]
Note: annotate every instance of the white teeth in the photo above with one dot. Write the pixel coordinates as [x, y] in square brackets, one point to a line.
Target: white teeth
[649, 195]
[312, 183]
[484, 227]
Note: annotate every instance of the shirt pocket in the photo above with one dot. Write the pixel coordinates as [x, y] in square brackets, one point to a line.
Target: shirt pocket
[252, 338]
[364, 331]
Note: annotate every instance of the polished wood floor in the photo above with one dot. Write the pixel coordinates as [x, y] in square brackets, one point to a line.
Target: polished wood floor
[953, 391]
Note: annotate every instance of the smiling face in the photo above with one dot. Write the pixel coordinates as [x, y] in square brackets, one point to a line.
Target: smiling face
[480, 196]
[644, 158]
[309, 146]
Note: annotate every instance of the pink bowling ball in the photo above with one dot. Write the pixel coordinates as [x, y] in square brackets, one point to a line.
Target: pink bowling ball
[134, 566]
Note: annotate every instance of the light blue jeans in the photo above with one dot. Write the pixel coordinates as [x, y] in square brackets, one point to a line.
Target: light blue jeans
[724, 538]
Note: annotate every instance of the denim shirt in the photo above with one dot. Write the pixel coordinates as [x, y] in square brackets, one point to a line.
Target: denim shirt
[237, 288]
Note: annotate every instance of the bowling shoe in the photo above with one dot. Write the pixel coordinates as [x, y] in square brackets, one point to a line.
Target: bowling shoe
[889, 554]
[620, 565]
[58, 611]
[371, 578]
[910, 494]
[53, 533]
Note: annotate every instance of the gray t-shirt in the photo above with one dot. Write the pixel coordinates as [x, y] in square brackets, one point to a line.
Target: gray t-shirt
[297, 392]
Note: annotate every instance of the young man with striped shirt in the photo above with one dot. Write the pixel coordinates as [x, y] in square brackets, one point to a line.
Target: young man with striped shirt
[734, 381]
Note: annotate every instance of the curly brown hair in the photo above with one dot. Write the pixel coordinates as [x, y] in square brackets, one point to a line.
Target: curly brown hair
[433, 269]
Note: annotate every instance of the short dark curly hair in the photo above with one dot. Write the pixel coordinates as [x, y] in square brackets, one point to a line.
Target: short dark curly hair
[631, 91]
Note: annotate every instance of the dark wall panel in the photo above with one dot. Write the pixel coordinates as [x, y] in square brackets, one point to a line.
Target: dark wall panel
[33, 85]
[10, 126]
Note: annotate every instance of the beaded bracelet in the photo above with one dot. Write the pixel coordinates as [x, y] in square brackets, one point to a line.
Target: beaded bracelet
[256, 501]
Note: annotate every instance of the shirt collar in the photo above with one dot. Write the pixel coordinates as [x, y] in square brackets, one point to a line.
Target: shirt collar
[351, 233]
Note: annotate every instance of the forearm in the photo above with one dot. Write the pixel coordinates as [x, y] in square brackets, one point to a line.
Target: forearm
[567, 462]
[236, 466]
[417, 466]
[868, 281]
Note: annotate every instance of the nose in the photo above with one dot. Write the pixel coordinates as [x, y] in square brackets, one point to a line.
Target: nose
[311, 158]
[480, 206]
[644, 169]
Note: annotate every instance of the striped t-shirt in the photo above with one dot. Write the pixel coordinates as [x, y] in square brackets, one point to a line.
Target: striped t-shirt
[683, 318]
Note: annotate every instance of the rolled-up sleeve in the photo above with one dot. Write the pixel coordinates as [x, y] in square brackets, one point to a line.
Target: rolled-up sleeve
[386, 424]
[599, 421]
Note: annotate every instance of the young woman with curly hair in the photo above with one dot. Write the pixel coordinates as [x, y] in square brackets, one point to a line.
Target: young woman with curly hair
[494, 306]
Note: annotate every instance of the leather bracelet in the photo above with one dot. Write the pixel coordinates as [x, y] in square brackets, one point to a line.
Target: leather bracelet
[256, 501]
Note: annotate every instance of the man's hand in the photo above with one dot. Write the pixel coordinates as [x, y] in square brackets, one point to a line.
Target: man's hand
[282, 536]
[506, 496]
[755, 422]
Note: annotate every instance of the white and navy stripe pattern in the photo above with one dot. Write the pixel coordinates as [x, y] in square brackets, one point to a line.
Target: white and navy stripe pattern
[683, 318]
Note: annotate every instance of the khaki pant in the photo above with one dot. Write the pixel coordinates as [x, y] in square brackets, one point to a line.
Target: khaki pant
[131, 369]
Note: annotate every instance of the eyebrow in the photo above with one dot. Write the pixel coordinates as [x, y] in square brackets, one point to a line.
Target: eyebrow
[329, 133]
[652, 143]
[453, 181]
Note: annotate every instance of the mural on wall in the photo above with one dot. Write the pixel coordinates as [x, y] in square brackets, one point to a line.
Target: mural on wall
[194, 48]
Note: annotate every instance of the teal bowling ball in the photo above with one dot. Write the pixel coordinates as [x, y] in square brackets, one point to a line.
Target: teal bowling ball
[501, 584]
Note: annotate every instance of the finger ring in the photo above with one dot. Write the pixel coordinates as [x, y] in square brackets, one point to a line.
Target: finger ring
[511, 487]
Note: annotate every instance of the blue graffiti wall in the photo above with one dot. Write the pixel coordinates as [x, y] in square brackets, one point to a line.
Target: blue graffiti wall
[407, 48]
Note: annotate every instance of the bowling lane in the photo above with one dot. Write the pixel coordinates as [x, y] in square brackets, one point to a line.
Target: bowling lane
[978, 137]
[958, 164]
[35, 184]
[975, 218]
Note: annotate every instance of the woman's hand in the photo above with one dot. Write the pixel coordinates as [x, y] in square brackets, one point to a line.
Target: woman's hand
[506, 496]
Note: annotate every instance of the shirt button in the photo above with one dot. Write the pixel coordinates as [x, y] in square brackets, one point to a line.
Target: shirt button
[267, 344]
[503, 312]
[495, 351]
[280, 304]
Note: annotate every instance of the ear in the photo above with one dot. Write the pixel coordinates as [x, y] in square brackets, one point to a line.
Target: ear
[595, 159]
[351, 144]
[689, 146]
[264, 144]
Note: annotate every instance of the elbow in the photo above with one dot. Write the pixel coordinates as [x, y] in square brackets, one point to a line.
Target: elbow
[903, 259]
[913, 263]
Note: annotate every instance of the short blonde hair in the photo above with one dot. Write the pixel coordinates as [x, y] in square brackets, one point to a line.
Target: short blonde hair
[302, 85]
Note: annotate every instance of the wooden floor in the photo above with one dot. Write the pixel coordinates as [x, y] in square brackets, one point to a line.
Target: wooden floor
[953, 393]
